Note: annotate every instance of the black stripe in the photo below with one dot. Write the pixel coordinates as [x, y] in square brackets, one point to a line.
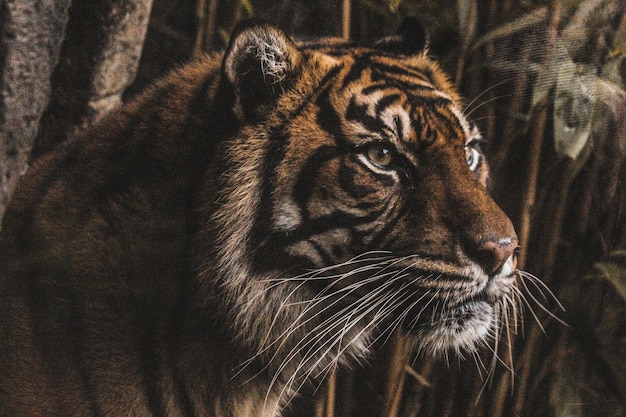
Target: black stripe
[430, 102]
[258, 243]
[364, 205]
[399, 127]
[356, 71]
[390, 224]
[385, 102]
[449, 119]
[338, 219]
[357, 112]
[418, 91]
[322, 90]
[346, 177]
[425, 124]
[303, 189]
[328, 118]
[374, 88]
[326, 258]
[398, 70]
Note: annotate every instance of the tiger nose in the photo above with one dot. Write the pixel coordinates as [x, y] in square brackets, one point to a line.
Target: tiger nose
[492, 253]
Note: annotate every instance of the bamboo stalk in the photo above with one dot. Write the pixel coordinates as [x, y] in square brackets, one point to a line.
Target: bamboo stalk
[512, 123]
[530, 195]
[320, 407]
[503, 388]
[490, 119]
[396, 375]
[468, 34]
[331, 394]
[206, 16]
[423, 386]
[538, 132]
[553, 244]
[164, 28]
[417, 376]
[209, 33]
[332, 382]
[526, 361]
[201, 9]
[347, 14]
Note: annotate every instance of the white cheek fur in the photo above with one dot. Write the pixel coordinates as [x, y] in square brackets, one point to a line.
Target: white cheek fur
[287, 217]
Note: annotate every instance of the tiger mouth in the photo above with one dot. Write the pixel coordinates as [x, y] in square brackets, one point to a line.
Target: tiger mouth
[460, 324]
[444, 306]
[440, 310]
[458, 313]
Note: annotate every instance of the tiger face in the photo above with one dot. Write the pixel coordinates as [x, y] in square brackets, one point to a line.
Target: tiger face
[372, 212]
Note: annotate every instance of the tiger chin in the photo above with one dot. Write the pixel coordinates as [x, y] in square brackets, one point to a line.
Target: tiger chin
[247, 224]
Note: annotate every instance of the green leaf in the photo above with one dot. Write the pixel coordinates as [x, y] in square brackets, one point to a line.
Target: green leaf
[247, 7]
[614, 271]
[524, 22]
[573, 109]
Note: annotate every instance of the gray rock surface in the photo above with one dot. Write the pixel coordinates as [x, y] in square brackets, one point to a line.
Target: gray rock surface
[62, 65]
[31, 33]
[99, 59]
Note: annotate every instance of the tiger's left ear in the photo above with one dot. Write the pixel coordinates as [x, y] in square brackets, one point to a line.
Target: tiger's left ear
[260, 63]
[410, 38]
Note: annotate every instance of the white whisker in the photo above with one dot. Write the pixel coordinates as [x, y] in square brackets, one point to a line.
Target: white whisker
[538, 302]
[539, 284]
[342, 311]
[468, 110]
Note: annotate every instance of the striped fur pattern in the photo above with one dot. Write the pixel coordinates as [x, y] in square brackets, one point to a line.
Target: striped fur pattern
[249, 223]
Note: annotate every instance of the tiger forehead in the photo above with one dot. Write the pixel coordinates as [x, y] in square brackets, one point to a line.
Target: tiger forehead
[396, 103]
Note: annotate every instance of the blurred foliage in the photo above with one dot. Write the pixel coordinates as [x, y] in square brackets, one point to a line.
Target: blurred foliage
[545, 82]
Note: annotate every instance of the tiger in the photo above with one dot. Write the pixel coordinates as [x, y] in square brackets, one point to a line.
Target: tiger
[249, 223]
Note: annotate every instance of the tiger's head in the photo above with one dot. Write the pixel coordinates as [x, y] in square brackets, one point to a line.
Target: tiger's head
[352, 201]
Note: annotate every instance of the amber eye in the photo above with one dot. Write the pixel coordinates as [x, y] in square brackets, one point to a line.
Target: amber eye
[380, 155]
[471, 156]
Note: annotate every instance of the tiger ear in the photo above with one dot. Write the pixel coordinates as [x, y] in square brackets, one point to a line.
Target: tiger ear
[410, 38]
[260, 63]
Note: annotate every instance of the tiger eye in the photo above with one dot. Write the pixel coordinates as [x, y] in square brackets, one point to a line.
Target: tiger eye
[380, 155]
[471, 156]
[468, 155]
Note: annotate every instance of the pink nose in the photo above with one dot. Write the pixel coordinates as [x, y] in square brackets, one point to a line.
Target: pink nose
[493, 253]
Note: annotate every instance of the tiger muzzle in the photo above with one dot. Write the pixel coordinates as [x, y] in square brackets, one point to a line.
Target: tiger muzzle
[493, 253]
